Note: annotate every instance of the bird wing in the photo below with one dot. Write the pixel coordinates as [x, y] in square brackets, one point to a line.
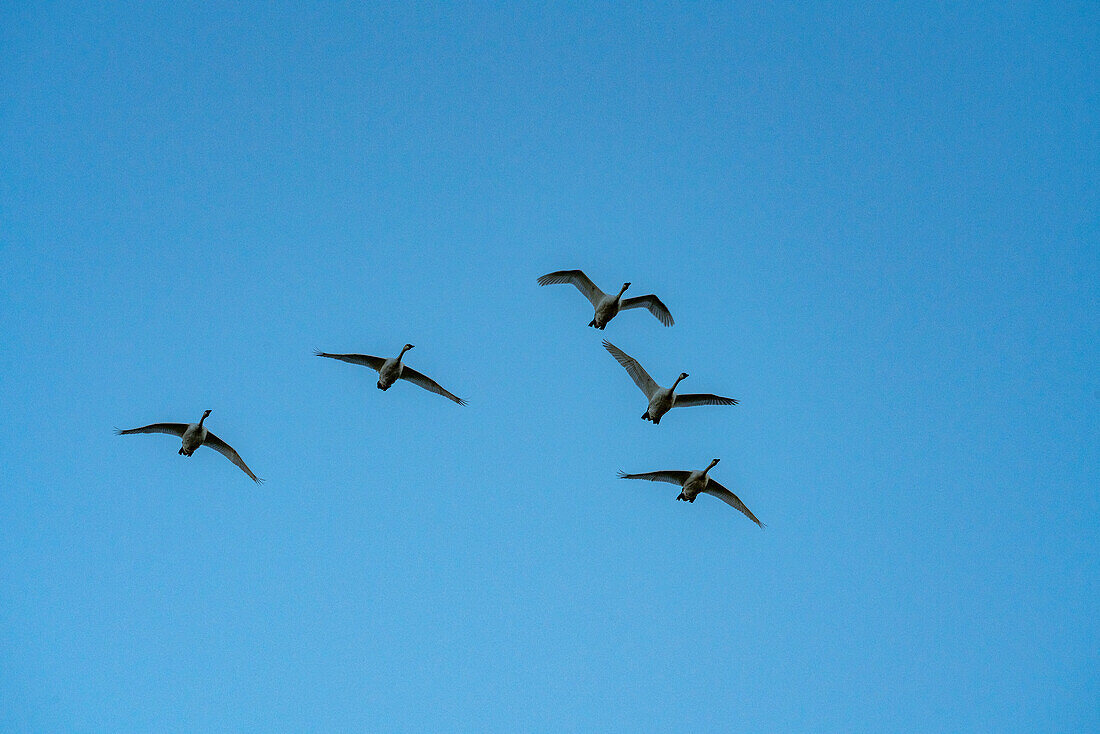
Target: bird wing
[717, 490]
[637, 373]
[579, 279]
[175, 429]
[375, 363]
[227, 451]
[408, 373]
[672, 477]
[689, 400]
[653, 303]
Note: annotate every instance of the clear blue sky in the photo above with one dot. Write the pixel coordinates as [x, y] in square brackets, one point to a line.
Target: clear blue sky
[876, 226]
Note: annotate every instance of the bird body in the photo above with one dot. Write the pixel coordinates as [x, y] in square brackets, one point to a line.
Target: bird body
[606, 306]
[694, 483]
[661, 399]
[194, 435]
[393, 369]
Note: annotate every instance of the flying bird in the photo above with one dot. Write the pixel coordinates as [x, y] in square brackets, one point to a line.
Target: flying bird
[694, 483]
[661, 399]
[391, 370]
[195, 435]
[607, 306]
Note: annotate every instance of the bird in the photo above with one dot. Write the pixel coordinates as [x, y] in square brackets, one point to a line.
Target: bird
[391, 370]
[694, 483]
[195, 435]
[661, 399]
[607, 306]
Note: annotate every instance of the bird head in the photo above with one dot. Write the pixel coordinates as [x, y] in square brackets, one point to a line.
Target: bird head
[625, 286]
[684, 375]
[407, 347]
[205, 413]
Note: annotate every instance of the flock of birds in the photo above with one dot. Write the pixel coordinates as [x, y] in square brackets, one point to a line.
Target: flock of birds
[606, 307]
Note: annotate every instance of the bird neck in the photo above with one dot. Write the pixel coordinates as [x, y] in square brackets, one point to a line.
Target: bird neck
[678, 379]
[202, 419]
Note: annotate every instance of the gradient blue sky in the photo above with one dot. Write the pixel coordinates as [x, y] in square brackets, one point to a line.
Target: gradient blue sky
[875, 225]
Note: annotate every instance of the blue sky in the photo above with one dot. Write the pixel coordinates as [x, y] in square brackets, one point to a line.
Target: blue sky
[876, 226]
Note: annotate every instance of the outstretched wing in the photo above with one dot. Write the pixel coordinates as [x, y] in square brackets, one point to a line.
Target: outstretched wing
[408, 373]
[641, 378]
[175, 429]
[375, 363]
[653, 303]
[227, 451]
[672, 477]
[717, 490]
[689, 400]
[579, 279]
